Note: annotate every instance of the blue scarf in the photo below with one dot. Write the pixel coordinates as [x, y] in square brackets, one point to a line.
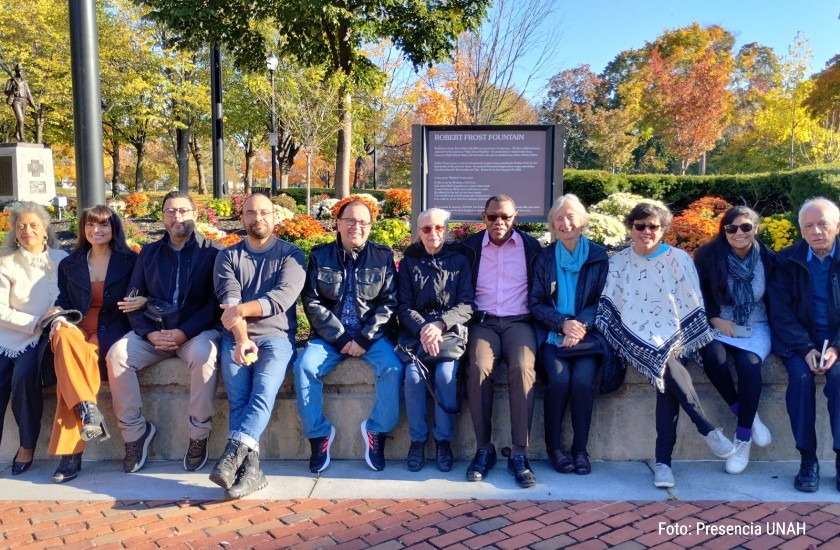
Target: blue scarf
[568, 266]
[742, 272]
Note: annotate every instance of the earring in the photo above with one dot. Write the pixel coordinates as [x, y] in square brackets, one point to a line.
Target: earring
[17, 242]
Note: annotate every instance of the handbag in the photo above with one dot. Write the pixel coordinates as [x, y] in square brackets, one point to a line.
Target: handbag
[424, 373]
[161, 313]
[453, 346]
[46, 359]
[590, 345]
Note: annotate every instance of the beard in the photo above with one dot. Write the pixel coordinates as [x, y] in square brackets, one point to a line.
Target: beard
[259, 230]
[181, 230]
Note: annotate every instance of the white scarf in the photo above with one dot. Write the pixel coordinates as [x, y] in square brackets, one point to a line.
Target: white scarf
[652, 307]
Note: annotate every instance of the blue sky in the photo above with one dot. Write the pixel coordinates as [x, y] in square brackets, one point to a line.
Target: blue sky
[594, 31]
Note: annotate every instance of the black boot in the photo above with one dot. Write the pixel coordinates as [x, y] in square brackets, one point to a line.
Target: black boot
[226, 468]
[68, 468]
[93, 423]
[249, 478]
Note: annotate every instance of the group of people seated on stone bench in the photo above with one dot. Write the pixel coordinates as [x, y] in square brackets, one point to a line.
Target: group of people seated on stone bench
[557, 312]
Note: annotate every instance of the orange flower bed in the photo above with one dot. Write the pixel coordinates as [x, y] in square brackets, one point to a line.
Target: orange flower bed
[137, 205]
[374, 209]
[697, 225]
[4, 222]
[230, 239]
[299, 227]
[397, 203]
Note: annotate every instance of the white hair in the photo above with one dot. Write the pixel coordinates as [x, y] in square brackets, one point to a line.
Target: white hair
[830, 209]
[570, 200]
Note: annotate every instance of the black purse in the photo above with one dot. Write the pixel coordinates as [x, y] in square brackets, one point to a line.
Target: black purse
[162, 314]
[453, 346]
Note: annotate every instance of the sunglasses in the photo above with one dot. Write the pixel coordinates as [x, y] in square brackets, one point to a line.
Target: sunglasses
[643, 226]
[426, 229]
[493, 217]
[732, 229]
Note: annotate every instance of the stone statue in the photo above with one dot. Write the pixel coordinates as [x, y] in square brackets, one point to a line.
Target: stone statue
[18, 96]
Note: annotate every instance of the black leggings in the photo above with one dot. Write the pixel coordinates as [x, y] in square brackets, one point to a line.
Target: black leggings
[569, 382]
[679, 392]
[717, 358]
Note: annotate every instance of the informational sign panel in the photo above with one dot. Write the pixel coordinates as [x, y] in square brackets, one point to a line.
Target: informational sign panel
[462, 166]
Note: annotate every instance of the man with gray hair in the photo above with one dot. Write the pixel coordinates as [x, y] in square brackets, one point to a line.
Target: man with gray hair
[805, 315]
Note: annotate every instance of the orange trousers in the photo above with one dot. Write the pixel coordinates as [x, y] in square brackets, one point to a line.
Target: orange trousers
[77, 372]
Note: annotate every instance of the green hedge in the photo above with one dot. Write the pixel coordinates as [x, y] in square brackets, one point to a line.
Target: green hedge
[299, 193]
[766, 193]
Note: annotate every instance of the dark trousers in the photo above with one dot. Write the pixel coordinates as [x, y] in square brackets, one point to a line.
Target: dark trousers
[569, 383]
[511, 339]
[801, 400]
[717, 358]
[20, 380]
[679, 392]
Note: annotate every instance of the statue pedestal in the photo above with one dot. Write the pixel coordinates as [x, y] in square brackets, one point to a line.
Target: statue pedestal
[26, 173]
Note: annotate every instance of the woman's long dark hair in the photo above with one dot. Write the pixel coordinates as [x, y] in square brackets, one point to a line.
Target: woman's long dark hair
[99, 214]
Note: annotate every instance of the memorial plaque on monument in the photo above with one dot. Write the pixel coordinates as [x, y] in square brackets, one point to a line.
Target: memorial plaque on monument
[26, 173]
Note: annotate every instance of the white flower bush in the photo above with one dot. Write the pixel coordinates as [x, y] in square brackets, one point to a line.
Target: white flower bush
[118, 206]
[282, 214]
[618, 205]
[604, 229]
[322, 210]
[545, 239]
[209, 231]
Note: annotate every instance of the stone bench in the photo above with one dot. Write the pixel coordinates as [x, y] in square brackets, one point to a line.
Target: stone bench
[622, 425]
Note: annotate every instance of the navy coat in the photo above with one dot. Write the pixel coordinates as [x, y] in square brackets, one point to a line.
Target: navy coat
[74, 292]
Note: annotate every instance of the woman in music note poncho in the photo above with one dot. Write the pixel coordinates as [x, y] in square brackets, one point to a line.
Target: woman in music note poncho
[651, 312]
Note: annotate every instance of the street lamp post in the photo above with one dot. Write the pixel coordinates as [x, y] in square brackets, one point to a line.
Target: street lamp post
[271, 65]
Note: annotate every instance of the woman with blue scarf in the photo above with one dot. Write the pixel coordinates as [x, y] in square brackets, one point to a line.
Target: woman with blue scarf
[734, 269]
[569, 276]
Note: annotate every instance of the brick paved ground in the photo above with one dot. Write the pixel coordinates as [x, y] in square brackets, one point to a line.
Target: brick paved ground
[391, 524]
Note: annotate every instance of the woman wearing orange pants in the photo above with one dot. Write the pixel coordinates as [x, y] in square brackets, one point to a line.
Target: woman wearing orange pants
[93, 280]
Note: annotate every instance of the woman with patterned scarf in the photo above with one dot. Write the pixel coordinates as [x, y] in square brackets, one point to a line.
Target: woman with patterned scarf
[651, 312]
[734, 269]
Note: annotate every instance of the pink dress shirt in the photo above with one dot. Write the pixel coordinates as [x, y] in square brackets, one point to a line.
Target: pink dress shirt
[502, 286]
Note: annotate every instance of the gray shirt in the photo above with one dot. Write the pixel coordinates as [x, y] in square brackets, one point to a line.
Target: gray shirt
[273, 276]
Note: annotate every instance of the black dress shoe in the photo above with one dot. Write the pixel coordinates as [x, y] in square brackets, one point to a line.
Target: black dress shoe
[808, 478]
[68, 468]
[20, 467]
[481, 464]
[520, 468]
[561, 461]
[582, 465]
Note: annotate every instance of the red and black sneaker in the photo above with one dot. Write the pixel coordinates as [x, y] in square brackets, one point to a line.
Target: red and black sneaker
[374, 448]
[320, 458]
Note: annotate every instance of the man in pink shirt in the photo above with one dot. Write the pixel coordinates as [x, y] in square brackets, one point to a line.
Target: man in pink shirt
[502, 258]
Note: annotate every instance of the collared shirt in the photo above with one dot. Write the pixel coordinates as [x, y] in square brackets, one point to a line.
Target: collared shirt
[502, 286]
[820, 278]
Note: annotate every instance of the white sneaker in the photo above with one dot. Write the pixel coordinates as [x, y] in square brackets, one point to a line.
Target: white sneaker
[760, 433]
[717, 442]
[662, 476]
[736, 463]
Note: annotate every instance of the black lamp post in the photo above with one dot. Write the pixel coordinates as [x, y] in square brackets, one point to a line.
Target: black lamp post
[271, 64]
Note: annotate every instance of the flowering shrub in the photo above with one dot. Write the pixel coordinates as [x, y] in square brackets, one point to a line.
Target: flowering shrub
[698, 224]
[206, 214]
[617, 205]
[605, 229]
[118, 206]
[391, 232]
[237, 201]
[299, 227]
[285, 201]
[222, 207]
[397, 203]
[307, 244]
[281, 214]
[368, 200]
[462, 230]
[156, 210]
[230, 239]
[4, 225]
[779, 230]
[322, 210]
[134, 236]
[209, 231]
[137, 205]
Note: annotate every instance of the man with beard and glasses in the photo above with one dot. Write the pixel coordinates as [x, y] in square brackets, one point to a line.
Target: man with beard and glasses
[257, 282]
[181, 318]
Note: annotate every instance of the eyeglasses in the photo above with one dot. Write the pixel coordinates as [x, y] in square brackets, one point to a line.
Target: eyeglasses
[426, 229]
[732, 228]
[642, 226]
[253, 213]
[353, 223]
[170, 212]
[493, 217]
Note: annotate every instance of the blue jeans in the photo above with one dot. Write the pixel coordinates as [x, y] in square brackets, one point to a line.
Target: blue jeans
[20, 380]
[801, 399]
[319, 358]
[253, 389]
[446, 388]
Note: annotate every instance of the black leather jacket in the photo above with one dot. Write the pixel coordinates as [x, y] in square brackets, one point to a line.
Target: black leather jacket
[376, 292]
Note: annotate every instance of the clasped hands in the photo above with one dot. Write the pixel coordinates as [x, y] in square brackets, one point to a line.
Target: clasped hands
[573, 332]
[431, 336]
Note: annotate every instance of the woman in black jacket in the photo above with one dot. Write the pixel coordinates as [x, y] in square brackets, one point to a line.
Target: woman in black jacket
[734, 271]
[436, 299]
[568, 279]
[94, 281]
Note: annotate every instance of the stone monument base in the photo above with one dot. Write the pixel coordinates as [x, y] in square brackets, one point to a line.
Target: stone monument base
[26, 173]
